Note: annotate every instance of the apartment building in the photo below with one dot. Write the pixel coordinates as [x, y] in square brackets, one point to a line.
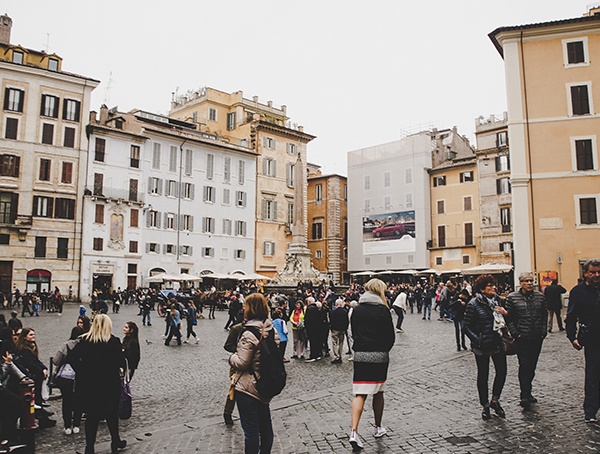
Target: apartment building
[328, 223]
[552, 83]
[163, 197]
[41, 167]
[495, 199]
[277, 142]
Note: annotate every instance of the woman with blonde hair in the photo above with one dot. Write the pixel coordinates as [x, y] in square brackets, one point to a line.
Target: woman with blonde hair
[373, 337]
[255, 414]
[97, 360]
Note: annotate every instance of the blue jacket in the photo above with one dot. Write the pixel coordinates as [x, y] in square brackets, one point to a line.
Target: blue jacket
[278, 323]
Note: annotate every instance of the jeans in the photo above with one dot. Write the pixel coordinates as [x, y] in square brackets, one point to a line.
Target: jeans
[591, 402]
[71, 410]
[190, 330]
[255, 417]
[91, 428]
[426, 310]
[337, 342]
[400, 314]
[551, 314]
[483, 373]
[528, 354]
[174, 331]
[460, 334]
[146, 318]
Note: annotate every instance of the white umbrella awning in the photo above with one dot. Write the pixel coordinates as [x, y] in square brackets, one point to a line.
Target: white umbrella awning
[490, 268]
[220, 276]
[429, 271]
[187, 277]
[364, 273]
[163, 277]
[252, 276]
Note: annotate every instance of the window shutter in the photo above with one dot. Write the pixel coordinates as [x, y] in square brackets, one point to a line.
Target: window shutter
[243, 199]
[264, 209]
[77, 110]
[164, 248]
[274, 168]
[498, 187]
[191, 223]
[64, 114]
[158, 219]
[192, 186]
[497, 159]
[149, 184]
[160, 186]
[43, 105]
[175, 222]
[265, 248]
[148, 219]
[16, 167]
[147, 247]
[275, 211]
[243, 228]
[14, 203]
[265, 164]
[265, 142]
[204, 193]
[166, 216]
[6, 98]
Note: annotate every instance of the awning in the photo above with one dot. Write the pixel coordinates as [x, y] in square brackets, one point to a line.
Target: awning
[490, 268]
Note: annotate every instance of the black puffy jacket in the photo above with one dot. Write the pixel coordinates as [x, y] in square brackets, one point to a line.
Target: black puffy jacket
[527, 315]
[478, 325]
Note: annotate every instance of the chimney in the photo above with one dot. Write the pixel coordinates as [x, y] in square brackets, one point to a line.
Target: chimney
[5, 27]
[103, 114]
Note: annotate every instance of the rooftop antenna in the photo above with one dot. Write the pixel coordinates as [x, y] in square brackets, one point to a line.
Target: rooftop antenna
[47, 42]
[108, 87]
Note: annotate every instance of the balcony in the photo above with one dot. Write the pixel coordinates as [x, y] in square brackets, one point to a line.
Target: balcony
[449, 243]
[107, 193]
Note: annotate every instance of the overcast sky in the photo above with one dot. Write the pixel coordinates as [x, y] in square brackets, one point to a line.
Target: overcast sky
[353, 73]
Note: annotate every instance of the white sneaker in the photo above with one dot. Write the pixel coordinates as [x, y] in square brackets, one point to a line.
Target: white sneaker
[379, 432]
[68, 431]
[75, 430]
[355, 441]
[197, 340]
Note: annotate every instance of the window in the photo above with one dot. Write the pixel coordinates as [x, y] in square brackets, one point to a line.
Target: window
[269, 210]
[467, 203]
[66, 175]
[49, 107]
[210, 194]
[69, 138]
[133, 189]
[317, 229]
[155, 185]
[12, 125]
[171, 189]
[291, 148]
[367, 205]
[408, 176]
[291, 169]
[212, 114]
[388, 259]
[9, 165]
[588, 210]
[240, 198]
[466, 176]
[506, 247]
[71, 110]
[439, 181]
[505, 220]
[227, 169]
[189, 161]
[231, 120]
[173, 159]
[8, 207]
[269, 167]
[152, 247]
[187, 223]
[47, 134]
[134, 156]
[17, 57]
[53, 64]
[156, 156]
[387, 179]
[62, 248]
[441, 206]
[100, 148]
[43, 206]
[98, 244]
[239, 254]
[170, 222]
[441, 235]
[134, 218]
[240, 228]
[13, 99]
[318, 254]
[208, 252]
[584, 154]
[319, 192]
[574, 51]
[210, 166]
[502, 164]
[153, 219]
[132, 268]
[408, 198]
[226, 229]
[133, 247]
[468, 234]
[186, 250]
[64, 208]
[387, 202]
[439, 261]
[268, 248]
[367, 182]
[503, 186]
[40, 246]
[168, 248]
[580, 101]
[98, 184]
[466, 259]
[241, 172]
[290, 214]
[99, 217]
[269, 142]
[187, 191]
[208, 225]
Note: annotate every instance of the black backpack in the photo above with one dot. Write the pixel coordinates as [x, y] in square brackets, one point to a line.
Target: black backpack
[272, 370]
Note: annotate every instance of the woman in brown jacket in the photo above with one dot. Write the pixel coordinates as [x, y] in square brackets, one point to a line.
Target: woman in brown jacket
[255, 414]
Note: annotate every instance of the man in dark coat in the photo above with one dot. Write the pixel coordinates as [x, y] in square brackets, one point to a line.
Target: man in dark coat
[234, 309]
[338, 322]
[527, 321]
[313, 322]
[584, 308]
[554, 302]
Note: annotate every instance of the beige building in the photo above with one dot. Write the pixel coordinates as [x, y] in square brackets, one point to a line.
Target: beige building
[267, 130]
[495, 199]
[42, 152]
[553, 89]
[328, 223]
[454, 205]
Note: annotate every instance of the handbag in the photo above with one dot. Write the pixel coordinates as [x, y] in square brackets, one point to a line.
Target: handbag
[583, 334]
[125, 404]
[300, 325]
[508, 343]
[64, 376]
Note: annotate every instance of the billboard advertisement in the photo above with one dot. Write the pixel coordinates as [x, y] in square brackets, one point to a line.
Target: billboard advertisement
[388, 233]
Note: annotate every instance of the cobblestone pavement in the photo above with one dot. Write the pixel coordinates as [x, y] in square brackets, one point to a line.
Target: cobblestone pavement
[431, 398]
